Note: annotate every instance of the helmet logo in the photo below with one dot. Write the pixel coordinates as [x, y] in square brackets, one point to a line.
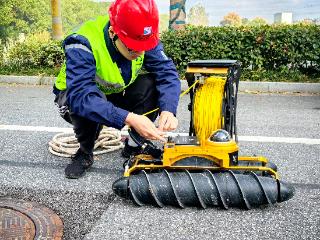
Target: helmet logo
[147, 31]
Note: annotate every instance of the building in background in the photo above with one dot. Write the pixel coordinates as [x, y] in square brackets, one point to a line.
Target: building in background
[283, 17]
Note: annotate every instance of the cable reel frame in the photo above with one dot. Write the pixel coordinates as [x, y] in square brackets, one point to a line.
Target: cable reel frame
[200, 70]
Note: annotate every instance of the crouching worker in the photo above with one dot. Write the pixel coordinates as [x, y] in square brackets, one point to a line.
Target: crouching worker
[101, 81]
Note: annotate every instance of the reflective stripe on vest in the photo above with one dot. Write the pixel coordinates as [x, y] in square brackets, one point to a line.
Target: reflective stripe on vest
[108, 76]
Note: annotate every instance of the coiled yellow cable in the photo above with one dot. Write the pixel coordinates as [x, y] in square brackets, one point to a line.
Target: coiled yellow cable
[207, 107]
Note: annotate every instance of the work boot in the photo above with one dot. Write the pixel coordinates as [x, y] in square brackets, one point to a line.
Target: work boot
[80, 163]
[129, 151]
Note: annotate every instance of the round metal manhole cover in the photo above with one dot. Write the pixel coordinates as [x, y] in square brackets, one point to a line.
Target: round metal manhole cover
[28, 220]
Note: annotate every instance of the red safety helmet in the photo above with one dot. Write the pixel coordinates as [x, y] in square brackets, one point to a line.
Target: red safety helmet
[136, 22]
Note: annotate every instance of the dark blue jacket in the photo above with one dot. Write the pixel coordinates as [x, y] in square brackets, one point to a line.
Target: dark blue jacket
[86, 100]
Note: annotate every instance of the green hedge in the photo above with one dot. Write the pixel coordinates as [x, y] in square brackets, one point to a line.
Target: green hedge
[37, 53]
[281, 48]
[267, 53]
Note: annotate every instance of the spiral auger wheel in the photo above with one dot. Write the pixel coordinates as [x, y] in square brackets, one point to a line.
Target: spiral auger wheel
[202, 189]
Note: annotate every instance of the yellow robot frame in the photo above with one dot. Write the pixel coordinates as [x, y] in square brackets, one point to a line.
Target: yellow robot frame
[217, 152]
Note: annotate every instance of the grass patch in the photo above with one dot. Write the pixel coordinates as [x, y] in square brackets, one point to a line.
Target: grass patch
[50, 72]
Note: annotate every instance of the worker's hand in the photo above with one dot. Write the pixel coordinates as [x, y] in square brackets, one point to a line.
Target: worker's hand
[145, 127]
[167, 121]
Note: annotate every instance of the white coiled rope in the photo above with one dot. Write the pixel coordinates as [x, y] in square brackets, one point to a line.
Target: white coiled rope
[66, 144]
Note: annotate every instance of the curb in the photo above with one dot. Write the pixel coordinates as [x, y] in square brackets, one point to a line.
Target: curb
[31, 80]
[280, 87]
[243, 86]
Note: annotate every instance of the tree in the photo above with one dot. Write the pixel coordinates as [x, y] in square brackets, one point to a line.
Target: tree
[306, 21]
[23, 17]
[258, 21]
[231, 19]
[197, 16]
[75, 12]
[245, 21]
[30, 16]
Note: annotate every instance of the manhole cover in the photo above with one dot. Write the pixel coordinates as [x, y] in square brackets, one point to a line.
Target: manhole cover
[28, 220]
[15, 225]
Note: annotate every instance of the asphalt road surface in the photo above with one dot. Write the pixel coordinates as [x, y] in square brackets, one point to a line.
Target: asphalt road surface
[288, 127]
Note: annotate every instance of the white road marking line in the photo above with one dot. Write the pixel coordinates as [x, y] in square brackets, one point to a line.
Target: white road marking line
[34, 128]
[308, 141]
